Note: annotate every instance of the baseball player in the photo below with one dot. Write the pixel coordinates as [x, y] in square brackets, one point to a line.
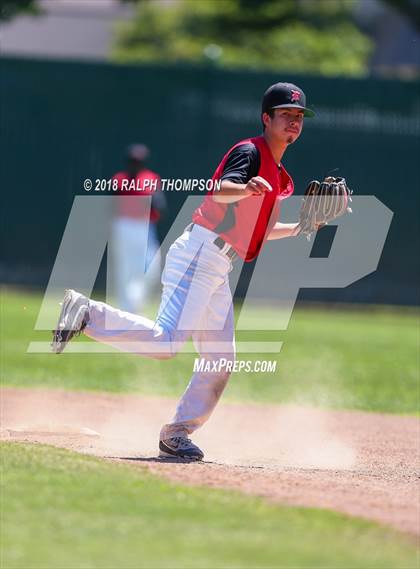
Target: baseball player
[134, 230]
[196, 297]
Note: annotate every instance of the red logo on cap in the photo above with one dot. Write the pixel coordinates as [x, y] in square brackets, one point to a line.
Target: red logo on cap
[295, 96]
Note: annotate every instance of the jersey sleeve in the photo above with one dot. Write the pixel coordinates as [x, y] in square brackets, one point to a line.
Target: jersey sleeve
[242, 164]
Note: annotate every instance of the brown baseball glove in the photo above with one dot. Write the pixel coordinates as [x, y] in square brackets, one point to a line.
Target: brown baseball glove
[323, 202]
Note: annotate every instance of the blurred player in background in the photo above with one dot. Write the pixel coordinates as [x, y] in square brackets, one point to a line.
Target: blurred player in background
[134, 231]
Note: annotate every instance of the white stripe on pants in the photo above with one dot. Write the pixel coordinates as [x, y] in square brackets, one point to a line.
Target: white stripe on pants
[196, 302]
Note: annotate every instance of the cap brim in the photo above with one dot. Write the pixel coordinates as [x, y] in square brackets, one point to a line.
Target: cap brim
[307, 112]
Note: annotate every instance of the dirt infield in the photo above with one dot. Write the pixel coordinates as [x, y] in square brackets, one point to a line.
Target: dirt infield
[361, 464]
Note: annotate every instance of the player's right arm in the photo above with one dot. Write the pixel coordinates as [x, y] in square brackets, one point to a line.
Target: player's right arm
[231, 192]
[240, 178]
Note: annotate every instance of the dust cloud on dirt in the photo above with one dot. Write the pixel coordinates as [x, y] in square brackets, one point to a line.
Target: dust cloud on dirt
[361, 464]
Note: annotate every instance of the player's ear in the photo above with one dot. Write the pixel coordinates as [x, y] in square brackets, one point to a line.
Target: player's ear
[265, 119]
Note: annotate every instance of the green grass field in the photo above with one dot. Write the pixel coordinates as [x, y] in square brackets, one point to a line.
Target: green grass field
[359, 359]
[64, 510]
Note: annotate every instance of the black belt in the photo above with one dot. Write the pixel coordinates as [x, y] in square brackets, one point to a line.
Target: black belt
[231, 253]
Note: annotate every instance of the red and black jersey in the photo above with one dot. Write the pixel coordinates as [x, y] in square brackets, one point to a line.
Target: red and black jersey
[245, 224]
[137, 208]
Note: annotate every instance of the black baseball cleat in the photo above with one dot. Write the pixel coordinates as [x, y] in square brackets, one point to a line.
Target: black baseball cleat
[180, 447]
[73, 319]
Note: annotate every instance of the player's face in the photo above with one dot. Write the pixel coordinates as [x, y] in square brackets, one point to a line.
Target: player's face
[286, 124]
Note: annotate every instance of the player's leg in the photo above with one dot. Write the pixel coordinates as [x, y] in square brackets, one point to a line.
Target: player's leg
[140, 272]
[128, 262]
[152, 272]
[192, 273]
[216, 348]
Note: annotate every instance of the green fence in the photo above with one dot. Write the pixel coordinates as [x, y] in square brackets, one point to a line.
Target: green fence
[62, 122]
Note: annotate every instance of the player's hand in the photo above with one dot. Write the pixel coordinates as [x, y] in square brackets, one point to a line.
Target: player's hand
[257, 186]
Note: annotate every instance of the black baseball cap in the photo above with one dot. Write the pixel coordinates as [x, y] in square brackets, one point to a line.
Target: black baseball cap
[282, 95]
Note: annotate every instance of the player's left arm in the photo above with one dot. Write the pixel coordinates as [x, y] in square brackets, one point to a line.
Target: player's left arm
[281, 230]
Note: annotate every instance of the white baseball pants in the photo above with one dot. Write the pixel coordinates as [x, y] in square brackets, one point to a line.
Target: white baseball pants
[196, 302]
[136, 244]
